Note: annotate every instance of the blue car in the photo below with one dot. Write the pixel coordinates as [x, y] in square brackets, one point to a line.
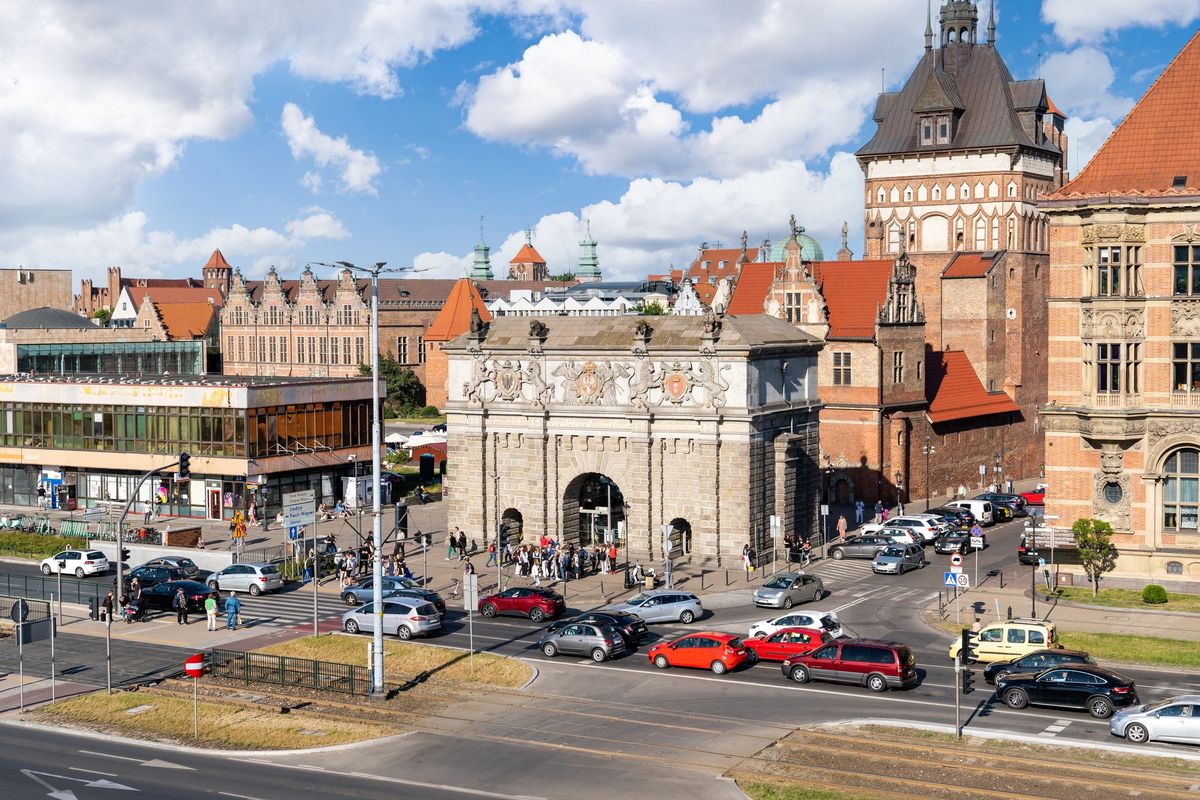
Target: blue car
[363, 591]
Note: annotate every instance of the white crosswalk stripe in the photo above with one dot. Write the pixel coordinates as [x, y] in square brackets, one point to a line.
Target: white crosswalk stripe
[844, 571]
[291, 608]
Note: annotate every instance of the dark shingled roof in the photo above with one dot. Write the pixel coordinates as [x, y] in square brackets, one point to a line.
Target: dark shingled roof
[46, 318]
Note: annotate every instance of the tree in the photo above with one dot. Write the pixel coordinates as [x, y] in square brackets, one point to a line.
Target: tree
[1097, 553]
[651, 309]
[102, 314]
[403, 389]
[566, 277]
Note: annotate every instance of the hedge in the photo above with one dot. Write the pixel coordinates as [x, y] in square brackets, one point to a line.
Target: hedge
[17, 543]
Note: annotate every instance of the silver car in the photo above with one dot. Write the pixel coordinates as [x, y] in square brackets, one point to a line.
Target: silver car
[601, 642]
[1176, 719]
[899, 558]
[404, 616]
[252, 578]
[663, 605]
[788, 589]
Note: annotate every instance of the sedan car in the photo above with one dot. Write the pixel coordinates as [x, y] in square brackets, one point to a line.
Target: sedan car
[897, 559]
[664, 605]
[953, 542]
[1176, 719]
[897, 535]
[599, 642]
[957, 516]
[631, 627]
[816, 620]
[148, 576]
[787, 589]
[719, 652]
[785, 643]
[1036, 661]
[526, 601]
[190, 568]
[1014, 502]
[162, 594]
[79, 563]
[363, 591]
[1096, 689]
[1036, 497]
[254, 578]
[867, 546]
[403, 616]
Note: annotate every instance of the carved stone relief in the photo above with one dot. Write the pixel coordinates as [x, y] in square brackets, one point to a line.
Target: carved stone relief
[1113, 323]
[590, 383]
[1112, 233]
[1185, 318]
[1162, 428]
[1116, 513]
[1189, 234]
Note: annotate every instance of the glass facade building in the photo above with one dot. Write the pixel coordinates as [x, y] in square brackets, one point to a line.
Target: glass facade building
[113, 358]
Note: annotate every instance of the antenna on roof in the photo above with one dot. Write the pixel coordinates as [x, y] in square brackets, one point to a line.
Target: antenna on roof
[883, 79]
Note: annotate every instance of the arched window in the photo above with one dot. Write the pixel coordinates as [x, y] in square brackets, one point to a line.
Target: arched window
[937, 193]
[980, 233]
[1181, 490]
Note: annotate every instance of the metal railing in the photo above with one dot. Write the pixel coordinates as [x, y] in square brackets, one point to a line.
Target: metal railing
[38, 586]
[285, 671]
[108, 533]
[38, 609]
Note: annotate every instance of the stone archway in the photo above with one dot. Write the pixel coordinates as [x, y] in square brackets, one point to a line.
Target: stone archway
[592, 504]
[512, 521]
[681, 538]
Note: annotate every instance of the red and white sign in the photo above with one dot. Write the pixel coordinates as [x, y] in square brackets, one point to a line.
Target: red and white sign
[956, 559]
[194, 665]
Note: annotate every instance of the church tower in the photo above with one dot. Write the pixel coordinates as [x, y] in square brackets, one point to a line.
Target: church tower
[481, 268]
[589, 264]
[217, 273]
[527, 264]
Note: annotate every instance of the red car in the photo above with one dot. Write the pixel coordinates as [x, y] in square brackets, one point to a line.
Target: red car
[719, 652]
[785, 643]
[1037, 497]
[537, 604]
[868, 662]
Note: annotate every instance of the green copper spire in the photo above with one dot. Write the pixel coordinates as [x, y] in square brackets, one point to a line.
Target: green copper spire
[589, 263]
[481, 270]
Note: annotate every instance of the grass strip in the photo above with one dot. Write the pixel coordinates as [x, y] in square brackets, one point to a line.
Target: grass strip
[20, 544]
[776, 790]
[1128, 598]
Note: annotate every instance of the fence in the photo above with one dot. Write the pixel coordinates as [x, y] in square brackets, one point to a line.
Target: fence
[39, 610]
[73, 591]
[285, 671]
[107, 532]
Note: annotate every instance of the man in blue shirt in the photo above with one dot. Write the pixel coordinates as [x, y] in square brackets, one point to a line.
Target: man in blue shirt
[233, 609]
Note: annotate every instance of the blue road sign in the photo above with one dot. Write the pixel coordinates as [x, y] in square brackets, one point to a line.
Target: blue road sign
[950, 580]
[294, 532]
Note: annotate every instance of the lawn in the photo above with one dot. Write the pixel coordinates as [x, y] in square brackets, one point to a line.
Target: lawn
[403, 660]
[758, 790]
[35, 545]
[229, 726]
[1128, 598]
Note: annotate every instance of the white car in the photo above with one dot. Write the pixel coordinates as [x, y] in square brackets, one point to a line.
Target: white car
[927, 525]
[79, 563]
[897, 535]
[816, 620]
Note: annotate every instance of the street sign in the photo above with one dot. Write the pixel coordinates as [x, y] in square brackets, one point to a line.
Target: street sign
[470, 592]
[776, 526]
[824, 510]
[956, 559]
[20, 611]
[955, 570]
[194, 665]
[294, 532]
[300, 509]
[977, 542]
[982, 469]
[950, 579]
[964, 580]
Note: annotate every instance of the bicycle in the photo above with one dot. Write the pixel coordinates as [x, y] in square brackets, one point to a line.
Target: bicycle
[455, 588]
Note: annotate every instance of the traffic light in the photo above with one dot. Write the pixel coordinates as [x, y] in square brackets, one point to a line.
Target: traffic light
[964, 652]
[402, 519]
[503, 536]
[185, 466]
[94, 608]
[124, 553]
[968, 680]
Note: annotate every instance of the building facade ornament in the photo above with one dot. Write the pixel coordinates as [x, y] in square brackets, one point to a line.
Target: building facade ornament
[1091, 234]
[1185, 318]
[1113, 323]
[1111, 495]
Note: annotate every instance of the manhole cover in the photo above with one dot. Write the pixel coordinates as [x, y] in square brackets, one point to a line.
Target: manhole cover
[138, 709]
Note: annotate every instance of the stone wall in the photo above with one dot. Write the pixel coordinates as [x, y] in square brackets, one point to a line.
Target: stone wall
[23, 289]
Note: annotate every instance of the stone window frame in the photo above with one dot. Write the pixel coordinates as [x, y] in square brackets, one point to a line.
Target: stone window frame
[897, 366]
[1178, 502]
[1188, 267]
[842, 368]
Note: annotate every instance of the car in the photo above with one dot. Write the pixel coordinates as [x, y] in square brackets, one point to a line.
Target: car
[439, 428]
[817, 620]
[526, 601]
[632, 627]
[898, 559]
[599, 642]
[928, 526]
[1002, 513]
[148, 576]
[1036, 497]
[405, 617]
[162, 594]
[1014, 502]
[663, 605]
[954, 542]
[1008, 639]
[980, 509]
[176, 562]
[896, 534]
[948, 518]
[363, 591]
[1176, 719]
[1027, 552]
[79, 563]
[1036, 661]
[719, 652]
[787, 589]
[252, 577]
[785, 643]
[878, 665]
[865, 546]
[1098, 690]
[962, 517]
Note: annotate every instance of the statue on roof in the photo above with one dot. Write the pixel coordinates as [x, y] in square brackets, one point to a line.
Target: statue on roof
[745, 239]
[476, 323]
[538, 329]
[792, 225]
[642, 329]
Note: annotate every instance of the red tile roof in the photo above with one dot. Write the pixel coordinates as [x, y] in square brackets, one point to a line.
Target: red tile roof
[1158, 140]
[954, 391]
[455, 317]
[527, 255]
[216, 260]
[1053, 109]
[969, 265]
[732, 258]
[174, 294]
[854, 291]
[184, 321]
[750, 292]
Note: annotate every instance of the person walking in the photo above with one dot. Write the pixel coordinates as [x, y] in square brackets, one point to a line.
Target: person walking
[233, 611]
[180, 604]
[747, 557]
[806, 552]
[884, 515]
[210, 610]
[452, 544]
[858, 513]
[106, 608]
[491, 559]
[462, 546]
[841, 526]
[879, 511]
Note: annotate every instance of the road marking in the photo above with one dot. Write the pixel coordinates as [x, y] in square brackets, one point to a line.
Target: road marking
[242, 796]
[1056, 728]
[444, 787]
[93, 771]
[865, 595]
[145, 762]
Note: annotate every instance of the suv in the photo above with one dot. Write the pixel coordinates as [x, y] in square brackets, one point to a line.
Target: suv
[784, 591]
[664, 605]
[252, 578]
[1009, 639]
[1027, 552]
[928, 526]
[148, 576]
[1014, 502]
[1036, 661]
[875, 664]
[526, 601]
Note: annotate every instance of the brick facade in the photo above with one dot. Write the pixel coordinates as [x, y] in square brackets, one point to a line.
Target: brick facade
[25, 289]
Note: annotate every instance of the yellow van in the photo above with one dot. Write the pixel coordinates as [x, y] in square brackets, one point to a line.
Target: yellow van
[1011, 638]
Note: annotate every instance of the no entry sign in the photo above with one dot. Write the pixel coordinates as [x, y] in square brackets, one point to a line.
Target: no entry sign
[194, 666]
[956, 559]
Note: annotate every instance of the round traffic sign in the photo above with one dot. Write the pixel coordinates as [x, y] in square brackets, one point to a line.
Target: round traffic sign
[194, 666]
[20, 612]
[956, 559]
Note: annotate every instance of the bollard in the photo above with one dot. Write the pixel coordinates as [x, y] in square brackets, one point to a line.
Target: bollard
[1010, 612]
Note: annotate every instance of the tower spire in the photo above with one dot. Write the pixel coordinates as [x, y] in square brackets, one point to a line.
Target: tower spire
[992, 24]
[928, 25]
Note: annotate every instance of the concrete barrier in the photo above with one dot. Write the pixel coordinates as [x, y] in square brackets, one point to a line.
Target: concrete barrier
[211, 560]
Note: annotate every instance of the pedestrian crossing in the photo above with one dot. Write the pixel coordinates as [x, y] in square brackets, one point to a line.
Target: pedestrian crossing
[846, 571]
[283, 610]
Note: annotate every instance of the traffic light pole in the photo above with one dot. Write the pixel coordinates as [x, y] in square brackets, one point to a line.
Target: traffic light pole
[120, 584]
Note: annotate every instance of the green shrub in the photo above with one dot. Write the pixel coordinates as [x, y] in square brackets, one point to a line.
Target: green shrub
[429, 411]
[1154, 595]
[19, 543]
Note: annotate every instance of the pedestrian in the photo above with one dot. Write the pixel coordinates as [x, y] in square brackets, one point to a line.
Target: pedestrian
[180, 604]
[962, 491]
[200, 540]
[462, 546]
[253, 512]
[858, 513]
[452, 544]
[841, 526]
[468, 568]
[41, 495]
[884, 515]
[879, 511]
[746, 565]
[210, 610]
[805, 553]
[106, 608]
[491, 559]
[233, 611]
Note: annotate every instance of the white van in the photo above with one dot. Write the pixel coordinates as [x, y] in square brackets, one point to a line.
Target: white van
[982, 509]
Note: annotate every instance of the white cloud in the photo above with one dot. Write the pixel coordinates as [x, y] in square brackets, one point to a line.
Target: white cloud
[358, 169]
[312, 181]
[1079, 20]
[1082, 80]
[441, 265]
[1085, 136]
[318, 224]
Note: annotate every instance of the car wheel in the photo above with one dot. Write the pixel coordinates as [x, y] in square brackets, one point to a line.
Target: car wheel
[45, 569]
[718, 667]
[351, 626]
[536, 614]
[488, 610]
[687, 617]
[350, 600]
[254, 590]
[550, 650]
[800, 674]
[661, 662]
[1137, 733]
[1100, 707]
[752, 655]
[1015, 698]
[403, 632]
[837, 554]
[79, 573]
[213, 585]
[598, 655]
[877, 683]
[787, 603]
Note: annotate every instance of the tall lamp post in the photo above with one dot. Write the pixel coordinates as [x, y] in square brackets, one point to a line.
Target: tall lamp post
[996, 469]
[928, 449]
[625, 529]
[828, 499]
[376, 469]
[900, 488]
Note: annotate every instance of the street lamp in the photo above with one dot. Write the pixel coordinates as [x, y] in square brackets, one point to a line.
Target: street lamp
[828, 498]
[625, 526]
[928, 449]
[899, 489]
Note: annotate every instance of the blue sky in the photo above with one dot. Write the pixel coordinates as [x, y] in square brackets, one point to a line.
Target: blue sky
[282, 133]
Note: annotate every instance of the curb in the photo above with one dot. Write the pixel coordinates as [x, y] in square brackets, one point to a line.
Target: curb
[1115, 609]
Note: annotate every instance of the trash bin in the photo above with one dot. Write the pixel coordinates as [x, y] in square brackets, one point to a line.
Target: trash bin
[648, 583]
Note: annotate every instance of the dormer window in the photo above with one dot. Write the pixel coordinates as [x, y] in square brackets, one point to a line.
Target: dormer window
[943, 130]
[926, 130]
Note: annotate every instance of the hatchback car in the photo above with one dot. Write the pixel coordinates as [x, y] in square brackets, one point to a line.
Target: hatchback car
[364, 591]
[631, 627]
[162, 594]
[254, 578]
[1009, 639]
[787, 589]
[599, 642]
[928, 526]
[786, 643]
[148, 576]
[1013, 502]
[664, 605]
[719, 652]
[79, 563]
[1027, 552]
[1098, 690]
[897, 535]
[867, 546]
[190, 568]
[954, 542]
[1176, 719]
[898, 559]
[1036, 661]
[403, 616]
[817, 620]
[875, 664]
[525, 601]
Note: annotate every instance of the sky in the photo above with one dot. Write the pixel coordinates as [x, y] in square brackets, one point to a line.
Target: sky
[146, 134]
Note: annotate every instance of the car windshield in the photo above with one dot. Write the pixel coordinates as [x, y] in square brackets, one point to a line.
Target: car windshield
[778, 582]
[894, 552]
[186, 563]
[1160, 704]
[638, 599]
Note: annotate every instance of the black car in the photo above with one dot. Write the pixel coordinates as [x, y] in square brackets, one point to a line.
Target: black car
[945, 516]
[631, 626]
[149, 576]
[161, 595]
[177, 562]
[1036, 661]
[1027, 552]
[963, 518]
[1097, 690]
[954, 542]
[1013, 502]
